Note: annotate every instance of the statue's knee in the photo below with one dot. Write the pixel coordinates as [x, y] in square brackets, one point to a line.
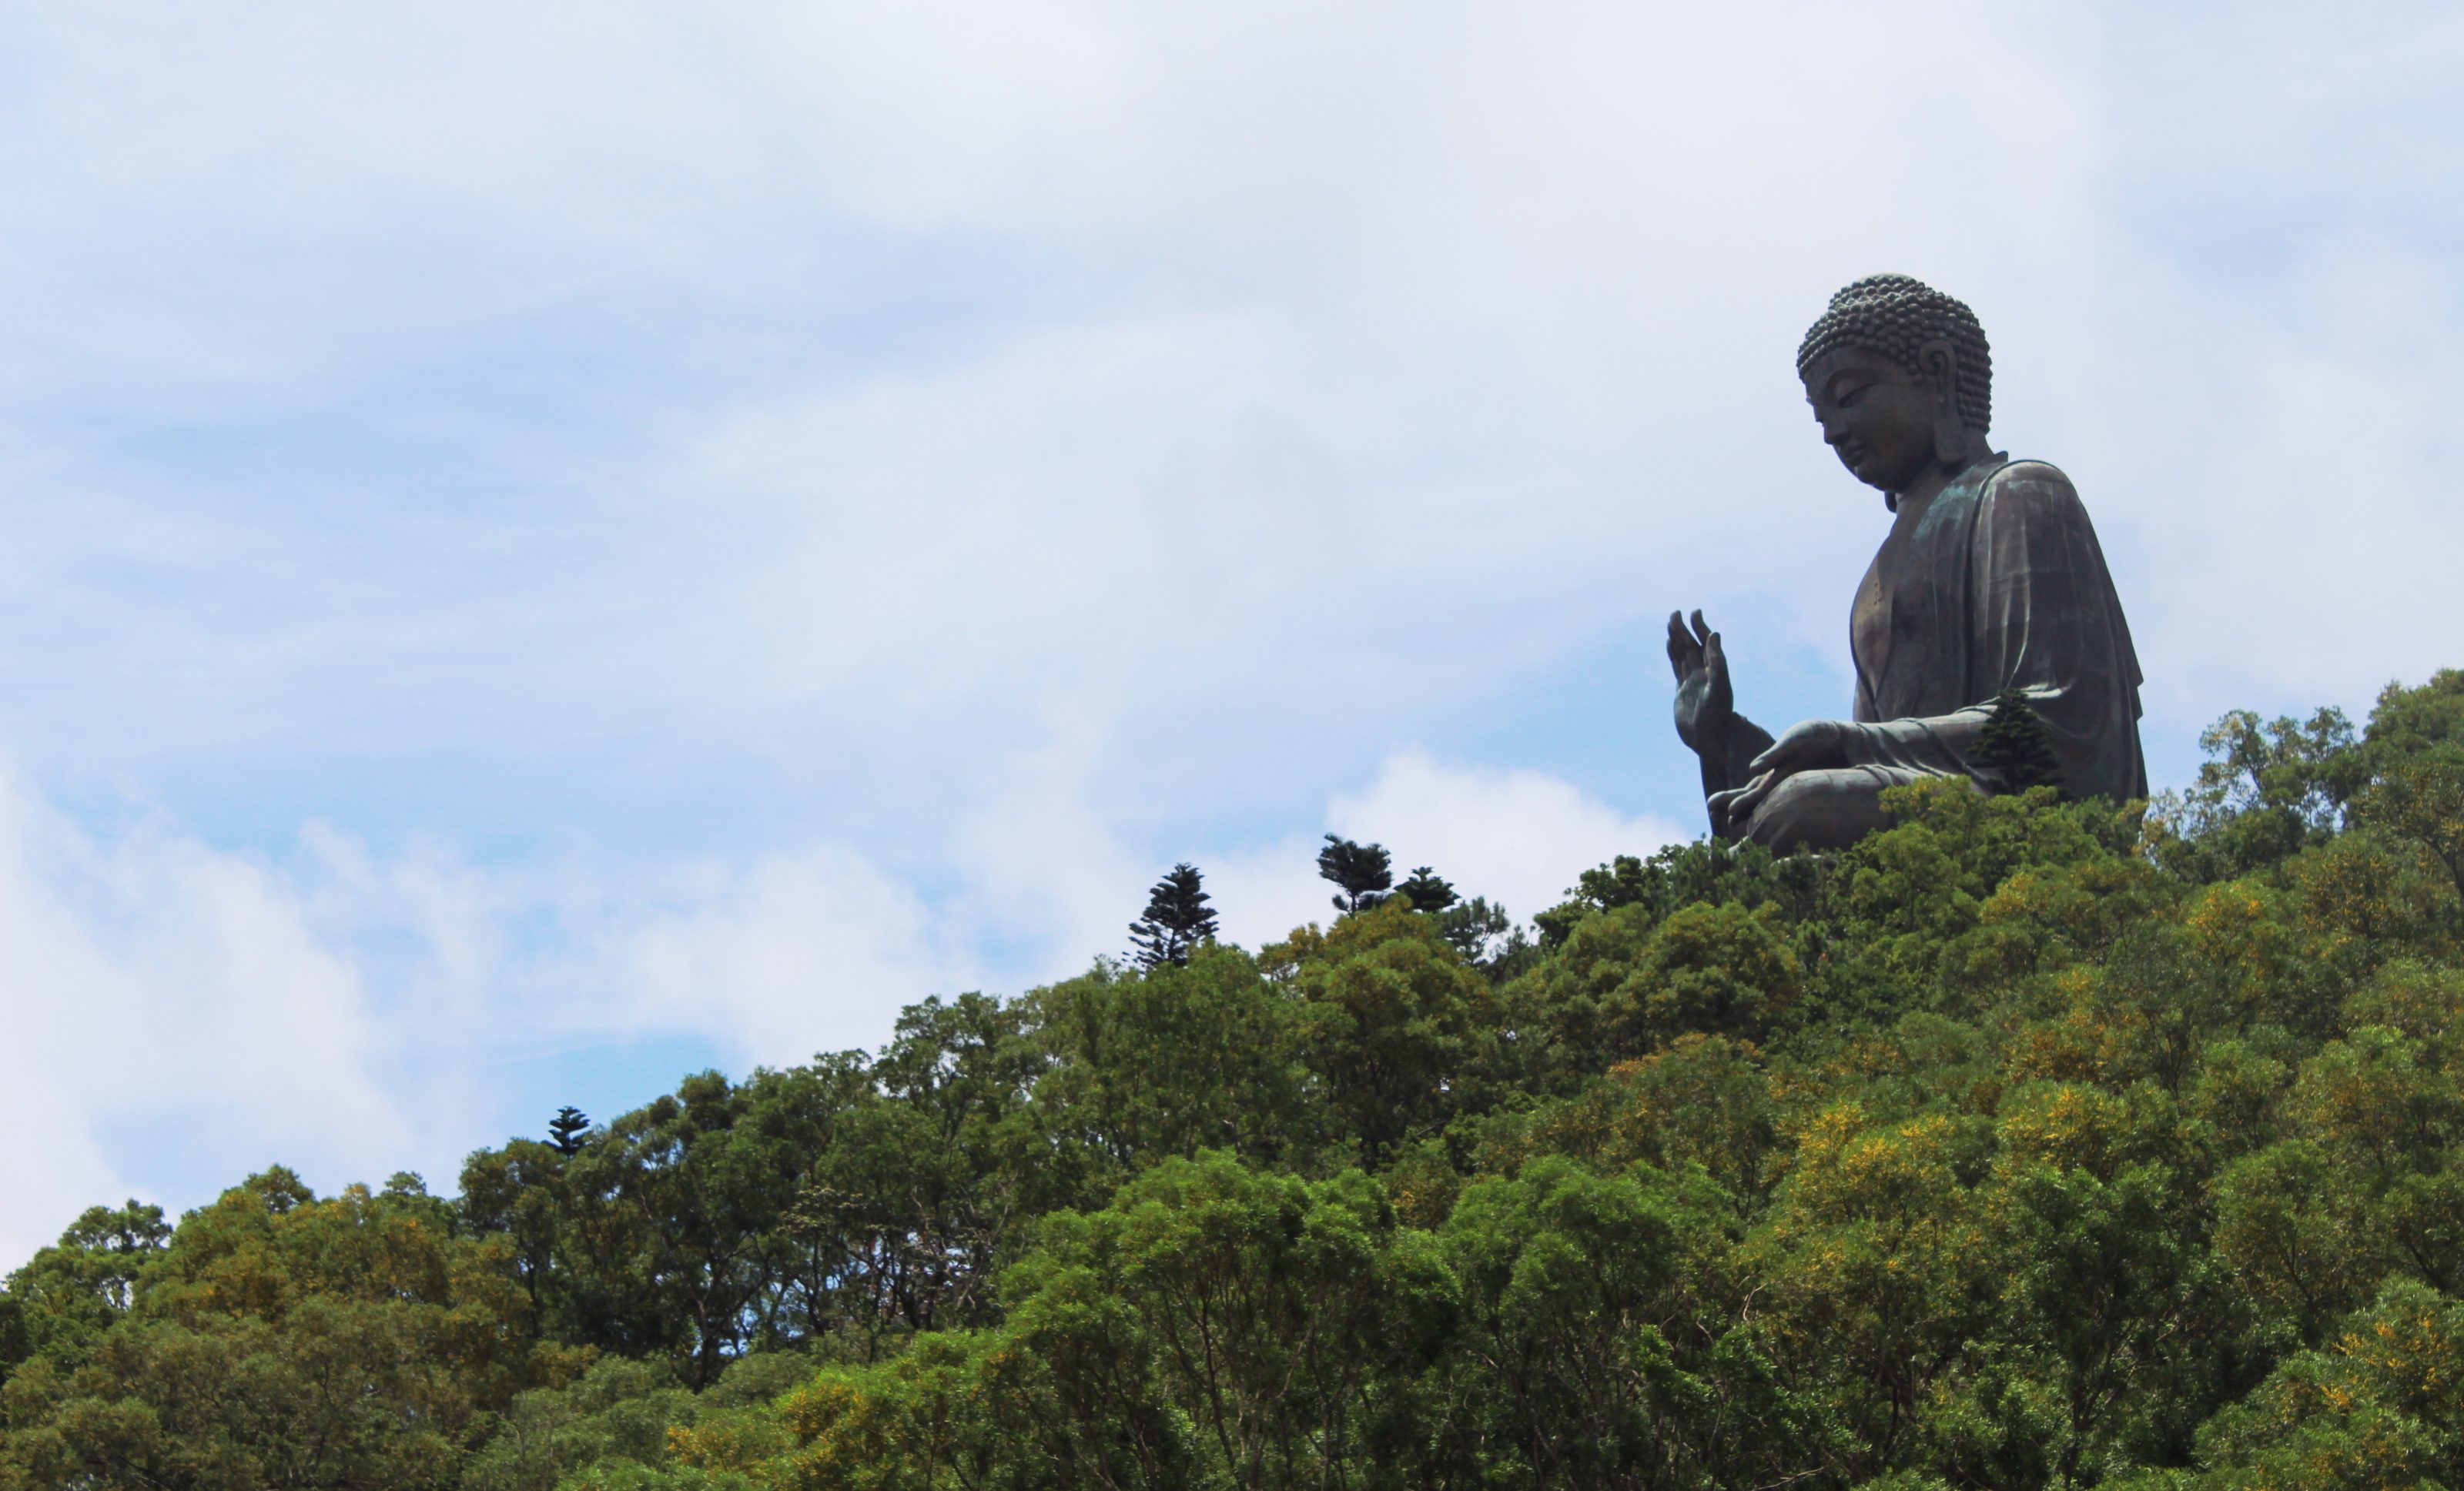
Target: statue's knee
[1779, 819]
[1823, 810]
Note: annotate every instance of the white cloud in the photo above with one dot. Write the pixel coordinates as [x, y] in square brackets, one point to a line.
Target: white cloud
[1520, 838]
[782, 959]
[161, 996]
[334, 1013]
[1295, 321]
[179, 1016]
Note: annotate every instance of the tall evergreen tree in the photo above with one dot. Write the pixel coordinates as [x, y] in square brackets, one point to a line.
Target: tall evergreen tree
[1364, 872]
[1176, 921]
[1429, 893]
[565, 1129]
[2015, 748]
[1479, 928]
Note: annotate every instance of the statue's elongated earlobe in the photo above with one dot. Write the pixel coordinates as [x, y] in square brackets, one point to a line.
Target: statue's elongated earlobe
[1949, 439]
[1950, 432]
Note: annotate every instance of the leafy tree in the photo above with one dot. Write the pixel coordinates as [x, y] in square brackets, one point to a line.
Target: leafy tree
[2104, 1284]
[2420, 799]
[2024, 1143]
[2406, 722]
[1621, 882]
[2013, 748]
[1392, 1023]
[519, 1194]
[1206, 1056]
[1583, 1356]
[1683, 875]
[2413, 796]
[2267, 791]
[68, 1295]
[951, 1173]
[1703, 1102]
[1178, 919]
[620, 1417]
[1877, 1253]
[1261, 1307]
[2382, 1405]
[281, 1340]
[1623, 984]
[667, 1235]
[1362, 873]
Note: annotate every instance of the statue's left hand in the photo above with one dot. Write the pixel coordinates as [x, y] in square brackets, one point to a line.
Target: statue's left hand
[1733, 809]
[1706, 707]
[1808, 746]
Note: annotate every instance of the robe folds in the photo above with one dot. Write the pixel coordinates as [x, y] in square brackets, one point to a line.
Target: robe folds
[1998, 583]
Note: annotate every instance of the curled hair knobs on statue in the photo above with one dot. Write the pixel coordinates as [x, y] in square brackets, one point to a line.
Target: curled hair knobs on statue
[1895, 315]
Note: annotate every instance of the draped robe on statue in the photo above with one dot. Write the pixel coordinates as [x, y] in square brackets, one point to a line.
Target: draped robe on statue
[1998, 583]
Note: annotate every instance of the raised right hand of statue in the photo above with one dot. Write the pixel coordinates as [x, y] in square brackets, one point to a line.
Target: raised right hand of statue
[1705, 705]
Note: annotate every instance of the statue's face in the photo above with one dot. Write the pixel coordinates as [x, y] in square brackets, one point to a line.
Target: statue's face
[1875, 413]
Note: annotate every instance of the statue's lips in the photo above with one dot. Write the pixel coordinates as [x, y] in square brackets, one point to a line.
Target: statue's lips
[1854, 456]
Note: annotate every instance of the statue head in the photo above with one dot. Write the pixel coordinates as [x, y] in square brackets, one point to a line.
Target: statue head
[1900, 378]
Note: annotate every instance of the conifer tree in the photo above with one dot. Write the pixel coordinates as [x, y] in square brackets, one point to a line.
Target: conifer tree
[1429, 893]
[1176, 921]
[565, 1129]
[1364, 872]
[2015, 748]
[1477, 928]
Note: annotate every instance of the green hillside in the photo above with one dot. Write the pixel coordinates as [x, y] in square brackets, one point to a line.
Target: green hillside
[2030, 1143]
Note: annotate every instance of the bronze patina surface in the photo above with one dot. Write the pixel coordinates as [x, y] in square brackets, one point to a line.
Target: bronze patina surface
[1989, 578]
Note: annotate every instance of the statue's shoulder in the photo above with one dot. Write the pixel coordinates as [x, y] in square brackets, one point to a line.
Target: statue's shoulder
[2035, 484]
[2014, 474]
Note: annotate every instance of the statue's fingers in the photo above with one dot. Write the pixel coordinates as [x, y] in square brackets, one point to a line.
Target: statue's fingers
[1702, 631]
[1743, 801]
[1721, 804]
[1714, 656]
[1685, 656]
[1787, 754]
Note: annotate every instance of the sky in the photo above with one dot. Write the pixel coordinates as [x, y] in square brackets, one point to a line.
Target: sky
[551, 547]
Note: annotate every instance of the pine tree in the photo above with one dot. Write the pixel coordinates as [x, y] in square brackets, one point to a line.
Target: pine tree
[1477, 928]
[2014, 751]
[1176, 921]
[1429, 893]
[1362, 871]
[566, 1128]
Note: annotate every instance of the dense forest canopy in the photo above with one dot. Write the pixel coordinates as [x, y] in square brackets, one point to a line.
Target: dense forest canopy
[2028, 1143]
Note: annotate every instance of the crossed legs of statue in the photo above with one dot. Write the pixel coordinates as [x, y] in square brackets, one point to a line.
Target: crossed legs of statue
[1824, 809]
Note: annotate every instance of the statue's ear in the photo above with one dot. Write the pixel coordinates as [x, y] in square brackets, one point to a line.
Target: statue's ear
[1940, 361]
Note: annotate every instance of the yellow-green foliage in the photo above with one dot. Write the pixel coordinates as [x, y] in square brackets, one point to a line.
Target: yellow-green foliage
[2025, 1144]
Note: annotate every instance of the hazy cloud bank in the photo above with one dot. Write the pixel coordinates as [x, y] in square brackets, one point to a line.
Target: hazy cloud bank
[179, 1010]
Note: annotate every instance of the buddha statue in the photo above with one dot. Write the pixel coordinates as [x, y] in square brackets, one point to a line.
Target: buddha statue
[1991, 579]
